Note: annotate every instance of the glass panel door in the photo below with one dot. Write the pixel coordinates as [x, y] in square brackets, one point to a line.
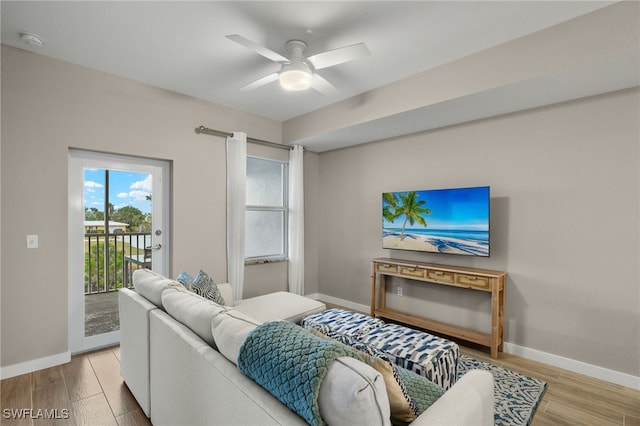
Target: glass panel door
[117, 240]
[116, 225]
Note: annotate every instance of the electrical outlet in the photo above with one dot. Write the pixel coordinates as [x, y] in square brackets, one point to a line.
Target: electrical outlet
[32, 241]
[400, 291]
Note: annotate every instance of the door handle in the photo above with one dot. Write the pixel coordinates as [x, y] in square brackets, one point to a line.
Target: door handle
[156, 247]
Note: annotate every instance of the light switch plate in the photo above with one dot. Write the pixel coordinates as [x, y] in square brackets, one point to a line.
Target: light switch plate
[32, 241]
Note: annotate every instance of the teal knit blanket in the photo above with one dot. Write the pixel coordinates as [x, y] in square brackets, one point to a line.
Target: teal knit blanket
[290, 363]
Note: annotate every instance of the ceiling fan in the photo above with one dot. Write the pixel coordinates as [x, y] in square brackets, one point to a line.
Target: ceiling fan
[297, 71]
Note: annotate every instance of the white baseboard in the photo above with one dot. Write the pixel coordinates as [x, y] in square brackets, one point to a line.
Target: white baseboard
[34, 365]
[336, 301]
[575, 366]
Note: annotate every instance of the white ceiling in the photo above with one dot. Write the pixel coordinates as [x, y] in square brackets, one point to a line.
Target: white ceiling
[181, 46]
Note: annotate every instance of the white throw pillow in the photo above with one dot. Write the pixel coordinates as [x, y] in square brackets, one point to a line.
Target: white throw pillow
[229, 331]
[192, 310]
[150, 285]
[353, 393]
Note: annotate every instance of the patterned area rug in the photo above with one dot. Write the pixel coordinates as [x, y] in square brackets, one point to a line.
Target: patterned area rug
[516, 396]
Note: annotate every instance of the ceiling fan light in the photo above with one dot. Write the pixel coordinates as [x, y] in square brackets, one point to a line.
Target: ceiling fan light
[295, 77]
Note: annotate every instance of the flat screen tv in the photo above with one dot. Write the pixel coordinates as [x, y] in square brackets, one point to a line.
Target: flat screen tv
[453, 221]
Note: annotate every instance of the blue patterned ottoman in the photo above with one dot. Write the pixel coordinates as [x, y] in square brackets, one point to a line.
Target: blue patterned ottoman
[340, 324]
[432, 357]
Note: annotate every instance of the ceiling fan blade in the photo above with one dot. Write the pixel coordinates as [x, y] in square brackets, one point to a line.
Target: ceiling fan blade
[323, 86]
[339, 56]
[260, 82]
[259, 49]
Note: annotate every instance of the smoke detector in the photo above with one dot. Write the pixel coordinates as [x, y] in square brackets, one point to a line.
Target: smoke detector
[31, 39]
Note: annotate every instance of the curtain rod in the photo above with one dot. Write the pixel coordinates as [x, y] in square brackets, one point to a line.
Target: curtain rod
[214, 132]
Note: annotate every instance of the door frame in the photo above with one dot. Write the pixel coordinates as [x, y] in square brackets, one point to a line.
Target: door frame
[78, 160]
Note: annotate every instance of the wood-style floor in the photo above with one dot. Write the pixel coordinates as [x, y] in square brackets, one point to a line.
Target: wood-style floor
[91, 389]
[572, 399]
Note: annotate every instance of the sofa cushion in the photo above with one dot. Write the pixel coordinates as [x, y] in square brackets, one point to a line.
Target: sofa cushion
[192, 310]
[151, 285]
[229, 330]
[280, 305]
[470, 401]
[353, 393]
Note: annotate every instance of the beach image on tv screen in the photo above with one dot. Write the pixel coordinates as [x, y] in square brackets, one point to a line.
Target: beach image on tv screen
[454, 221]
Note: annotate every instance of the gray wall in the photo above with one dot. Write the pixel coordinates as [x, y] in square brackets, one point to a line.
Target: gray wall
[565, 188]
[49, 106]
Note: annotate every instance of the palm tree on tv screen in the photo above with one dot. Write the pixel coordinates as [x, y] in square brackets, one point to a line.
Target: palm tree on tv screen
[389, 206]
[408, 205]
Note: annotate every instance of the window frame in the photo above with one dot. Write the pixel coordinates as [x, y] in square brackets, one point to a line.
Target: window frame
[284, 256]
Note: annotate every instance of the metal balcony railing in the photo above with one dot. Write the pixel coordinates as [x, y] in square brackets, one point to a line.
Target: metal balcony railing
[110, 259]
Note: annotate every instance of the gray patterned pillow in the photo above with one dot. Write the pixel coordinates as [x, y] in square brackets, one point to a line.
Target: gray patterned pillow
[204, 285]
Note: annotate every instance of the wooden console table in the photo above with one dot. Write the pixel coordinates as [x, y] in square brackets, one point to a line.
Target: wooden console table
[469, 278]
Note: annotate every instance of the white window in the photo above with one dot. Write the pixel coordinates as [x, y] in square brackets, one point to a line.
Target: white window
[266, 210]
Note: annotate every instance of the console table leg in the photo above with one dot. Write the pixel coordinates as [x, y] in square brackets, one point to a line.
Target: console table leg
[497, 321]
[373, 290]
[501, 320]
[383, 292]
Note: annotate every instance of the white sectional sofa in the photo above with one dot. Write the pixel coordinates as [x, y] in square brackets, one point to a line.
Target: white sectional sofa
[178, 355]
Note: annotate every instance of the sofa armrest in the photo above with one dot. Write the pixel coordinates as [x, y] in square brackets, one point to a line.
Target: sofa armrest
[227, 293]
[193, 384]
[469, 402]
[134, 344]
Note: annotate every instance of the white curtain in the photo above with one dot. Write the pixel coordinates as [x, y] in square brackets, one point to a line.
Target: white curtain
[236, 201]
[296, 220]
